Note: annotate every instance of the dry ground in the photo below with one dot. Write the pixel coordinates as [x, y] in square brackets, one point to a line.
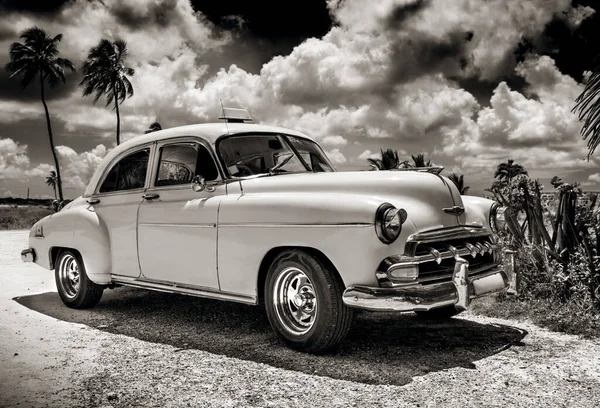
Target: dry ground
[140, 348]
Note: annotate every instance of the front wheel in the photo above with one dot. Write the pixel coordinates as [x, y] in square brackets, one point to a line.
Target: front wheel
[303, 300]
[75, 289]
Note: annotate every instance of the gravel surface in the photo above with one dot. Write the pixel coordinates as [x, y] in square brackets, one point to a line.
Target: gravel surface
[141, 348]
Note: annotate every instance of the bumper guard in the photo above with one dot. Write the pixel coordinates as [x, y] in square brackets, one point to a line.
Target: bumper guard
[28, 255]
[458, 292]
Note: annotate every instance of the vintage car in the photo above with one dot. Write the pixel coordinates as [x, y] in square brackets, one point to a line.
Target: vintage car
[257, 214]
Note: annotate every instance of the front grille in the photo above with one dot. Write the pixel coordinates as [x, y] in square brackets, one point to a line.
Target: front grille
[436, 259]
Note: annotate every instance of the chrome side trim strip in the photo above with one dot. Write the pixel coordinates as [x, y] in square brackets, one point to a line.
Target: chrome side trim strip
[291, 225]
[158, 224]
[191, 290]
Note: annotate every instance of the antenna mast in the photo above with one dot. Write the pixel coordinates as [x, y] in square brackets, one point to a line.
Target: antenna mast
[223, 113]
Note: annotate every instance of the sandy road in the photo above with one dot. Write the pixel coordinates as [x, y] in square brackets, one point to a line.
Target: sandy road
[45, 361]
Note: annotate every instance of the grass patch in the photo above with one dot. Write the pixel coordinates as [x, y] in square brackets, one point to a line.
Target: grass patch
[13, 218]
[567, 318]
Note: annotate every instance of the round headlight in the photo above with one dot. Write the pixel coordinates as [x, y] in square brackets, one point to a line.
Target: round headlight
[498, 218]
[388, 222]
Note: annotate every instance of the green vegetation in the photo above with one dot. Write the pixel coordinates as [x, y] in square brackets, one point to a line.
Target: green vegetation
[558, 249]
[13, 217]
[105, 73]
[557, 245]
[37, 57]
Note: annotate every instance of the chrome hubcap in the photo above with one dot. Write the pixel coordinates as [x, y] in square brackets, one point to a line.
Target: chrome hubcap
[68, 276]
[295, 301]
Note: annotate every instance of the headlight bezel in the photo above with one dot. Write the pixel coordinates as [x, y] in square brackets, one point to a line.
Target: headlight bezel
[496, 226]
[384, 216]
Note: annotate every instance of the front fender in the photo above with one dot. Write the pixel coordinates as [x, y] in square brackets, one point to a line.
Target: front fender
[341, 226]
[477, 211]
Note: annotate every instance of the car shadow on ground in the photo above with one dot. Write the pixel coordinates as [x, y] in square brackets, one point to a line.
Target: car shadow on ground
[381, 348]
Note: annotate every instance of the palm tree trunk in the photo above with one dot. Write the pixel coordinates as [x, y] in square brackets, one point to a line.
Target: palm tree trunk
[114, 85]
[58, 178]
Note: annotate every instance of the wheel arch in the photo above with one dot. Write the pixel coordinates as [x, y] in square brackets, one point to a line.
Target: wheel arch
[272, 254]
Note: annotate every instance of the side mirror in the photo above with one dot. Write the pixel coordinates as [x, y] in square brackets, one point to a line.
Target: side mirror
[199, 183]
[57, 205]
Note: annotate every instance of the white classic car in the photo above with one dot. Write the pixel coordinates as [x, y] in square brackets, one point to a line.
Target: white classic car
[257, 214]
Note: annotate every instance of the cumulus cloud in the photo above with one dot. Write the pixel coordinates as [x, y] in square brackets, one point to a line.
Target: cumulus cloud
[165, 40]
[537, 128]
[575, 16]
[367, 154]
[77, 169]
[334, 140]
[336, 156]
[13, 159]
[387, 75]
[594, 177]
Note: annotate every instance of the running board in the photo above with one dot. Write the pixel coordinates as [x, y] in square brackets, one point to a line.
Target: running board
[170, 287]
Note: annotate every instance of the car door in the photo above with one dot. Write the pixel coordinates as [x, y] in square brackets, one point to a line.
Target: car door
[116, 202]
[177, 227]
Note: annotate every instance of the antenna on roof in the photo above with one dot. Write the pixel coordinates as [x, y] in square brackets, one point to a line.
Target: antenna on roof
[235, 115]
[223, 114]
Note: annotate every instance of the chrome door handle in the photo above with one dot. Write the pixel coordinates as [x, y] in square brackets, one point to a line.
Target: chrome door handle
[150, 196]
[93, 201]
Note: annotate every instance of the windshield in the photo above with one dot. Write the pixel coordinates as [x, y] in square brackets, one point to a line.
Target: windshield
[247, 155]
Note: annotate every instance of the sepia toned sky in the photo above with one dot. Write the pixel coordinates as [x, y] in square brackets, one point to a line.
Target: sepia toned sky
[470, 83]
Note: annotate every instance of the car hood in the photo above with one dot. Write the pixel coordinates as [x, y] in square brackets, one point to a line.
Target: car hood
[423, 195]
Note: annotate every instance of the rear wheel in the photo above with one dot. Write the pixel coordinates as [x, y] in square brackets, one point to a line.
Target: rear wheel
[75, 289]
[442, 313]
[303, 300]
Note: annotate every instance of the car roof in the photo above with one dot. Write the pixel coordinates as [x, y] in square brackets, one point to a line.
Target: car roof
[208, 131]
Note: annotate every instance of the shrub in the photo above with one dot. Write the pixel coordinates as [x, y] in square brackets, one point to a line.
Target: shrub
[12, 218]
[557, 246]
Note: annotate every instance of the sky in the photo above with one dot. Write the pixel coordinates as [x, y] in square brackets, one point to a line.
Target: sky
[469, 83]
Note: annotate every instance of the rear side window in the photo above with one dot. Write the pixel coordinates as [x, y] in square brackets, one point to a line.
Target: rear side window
[129, 173]
[180, 162]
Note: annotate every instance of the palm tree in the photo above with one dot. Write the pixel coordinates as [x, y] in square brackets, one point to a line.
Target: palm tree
[51, 181]
[588, 105]
[509, 170]
[105, 73]
[419, 160]
[389, 160]
[37, 57]
[459, 182]
[154, 126]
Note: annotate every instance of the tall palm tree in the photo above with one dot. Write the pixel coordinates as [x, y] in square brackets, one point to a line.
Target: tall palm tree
[588, 105]
[154, 126]
[389, 160]
[51, 182]
[105, 73]
[37, 57]
[459, 181]
[419, 160]
[509, 170]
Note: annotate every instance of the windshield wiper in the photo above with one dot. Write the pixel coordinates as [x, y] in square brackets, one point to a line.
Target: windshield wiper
[282, 163]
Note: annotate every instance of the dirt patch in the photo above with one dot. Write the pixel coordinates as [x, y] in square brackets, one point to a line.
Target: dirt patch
[381, 348]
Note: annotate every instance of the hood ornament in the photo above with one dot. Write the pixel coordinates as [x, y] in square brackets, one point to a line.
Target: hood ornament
[456, 210]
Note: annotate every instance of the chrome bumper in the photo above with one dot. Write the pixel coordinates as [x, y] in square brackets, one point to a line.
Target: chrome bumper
[28, 255]
[459, 292]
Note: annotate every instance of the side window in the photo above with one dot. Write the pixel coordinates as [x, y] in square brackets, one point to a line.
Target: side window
[180, 162]
[129, 173]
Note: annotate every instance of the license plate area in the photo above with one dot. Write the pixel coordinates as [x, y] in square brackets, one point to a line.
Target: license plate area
[492, 283]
